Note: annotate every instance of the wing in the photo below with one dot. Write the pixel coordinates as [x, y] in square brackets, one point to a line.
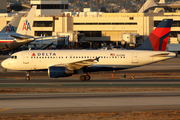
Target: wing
[79, 64]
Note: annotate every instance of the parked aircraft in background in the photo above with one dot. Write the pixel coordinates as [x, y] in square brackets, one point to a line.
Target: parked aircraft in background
[9, 41]
[63, 63]
[12, 26]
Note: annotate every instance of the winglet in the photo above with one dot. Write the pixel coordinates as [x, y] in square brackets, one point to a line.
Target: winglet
[12, 26]
[159, 37]
[28, 22]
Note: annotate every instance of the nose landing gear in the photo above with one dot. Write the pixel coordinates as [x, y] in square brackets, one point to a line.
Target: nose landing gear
[27, 75]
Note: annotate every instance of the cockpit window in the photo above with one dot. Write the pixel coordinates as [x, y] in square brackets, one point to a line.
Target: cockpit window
[13, 57]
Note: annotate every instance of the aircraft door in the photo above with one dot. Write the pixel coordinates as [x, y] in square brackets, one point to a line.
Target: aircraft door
[26, 58]
[134, 57]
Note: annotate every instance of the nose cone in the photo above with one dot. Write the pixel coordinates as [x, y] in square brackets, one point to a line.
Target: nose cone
[4, 64]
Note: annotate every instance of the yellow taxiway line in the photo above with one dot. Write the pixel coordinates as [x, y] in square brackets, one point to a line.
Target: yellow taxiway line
[5, 109]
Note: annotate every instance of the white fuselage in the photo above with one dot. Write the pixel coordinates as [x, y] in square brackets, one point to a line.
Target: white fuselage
[43, 59]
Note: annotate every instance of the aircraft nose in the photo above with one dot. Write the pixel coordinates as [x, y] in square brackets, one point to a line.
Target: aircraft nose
[4, 64]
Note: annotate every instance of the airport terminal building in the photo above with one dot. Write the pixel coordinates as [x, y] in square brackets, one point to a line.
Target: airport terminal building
[97, 27]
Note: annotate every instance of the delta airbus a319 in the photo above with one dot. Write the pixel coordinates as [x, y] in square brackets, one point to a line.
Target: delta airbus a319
[63, 63]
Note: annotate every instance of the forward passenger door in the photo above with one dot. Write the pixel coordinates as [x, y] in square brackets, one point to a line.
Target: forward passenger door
[26, 58]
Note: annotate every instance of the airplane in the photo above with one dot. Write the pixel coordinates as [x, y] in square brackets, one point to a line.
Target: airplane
[9, 41]
[64, 63]
[12, 26]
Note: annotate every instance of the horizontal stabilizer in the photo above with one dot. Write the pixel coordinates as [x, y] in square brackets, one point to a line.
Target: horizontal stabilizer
[21, 37]
[160, 55]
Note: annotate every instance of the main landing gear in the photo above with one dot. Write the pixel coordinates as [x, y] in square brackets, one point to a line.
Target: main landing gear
[27, 75]
[85, 78]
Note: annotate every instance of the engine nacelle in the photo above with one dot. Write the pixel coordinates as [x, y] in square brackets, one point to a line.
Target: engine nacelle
[55, 72]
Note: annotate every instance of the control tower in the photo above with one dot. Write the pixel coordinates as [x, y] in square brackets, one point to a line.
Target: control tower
[3, 6]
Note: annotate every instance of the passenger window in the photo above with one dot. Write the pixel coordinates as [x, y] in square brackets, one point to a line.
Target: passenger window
[15, 57]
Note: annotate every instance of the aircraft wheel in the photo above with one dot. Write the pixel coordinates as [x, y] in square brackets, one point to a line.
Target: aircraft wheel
[88, 77]
[27, 78]
[82, 78]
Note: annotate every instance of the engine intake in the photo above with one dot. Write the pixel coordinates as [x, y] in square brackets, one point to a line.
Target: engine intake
[55, 72]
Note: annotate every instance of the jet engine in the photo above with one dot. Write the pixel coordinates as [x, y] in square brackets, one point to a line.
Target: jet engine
[55, 72]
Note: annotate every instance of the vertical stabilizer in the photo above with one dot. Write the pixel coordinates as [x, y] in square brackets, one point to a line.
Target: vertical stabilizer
[159, 37]
[28, 22]
[12, 26]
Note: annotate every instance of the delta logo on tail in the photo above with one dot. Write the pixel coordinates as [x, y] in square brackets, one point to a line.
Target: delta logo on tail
[10, 28]
[159, 37]
[26, 26]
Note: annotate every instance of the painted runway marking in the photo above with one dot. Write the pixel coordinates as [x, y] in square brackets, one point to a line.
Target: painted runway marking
[5, 109]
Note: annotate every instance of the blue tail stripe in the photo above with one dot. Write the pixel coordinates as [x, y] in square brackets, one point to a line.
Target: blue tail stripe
[161, 40]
